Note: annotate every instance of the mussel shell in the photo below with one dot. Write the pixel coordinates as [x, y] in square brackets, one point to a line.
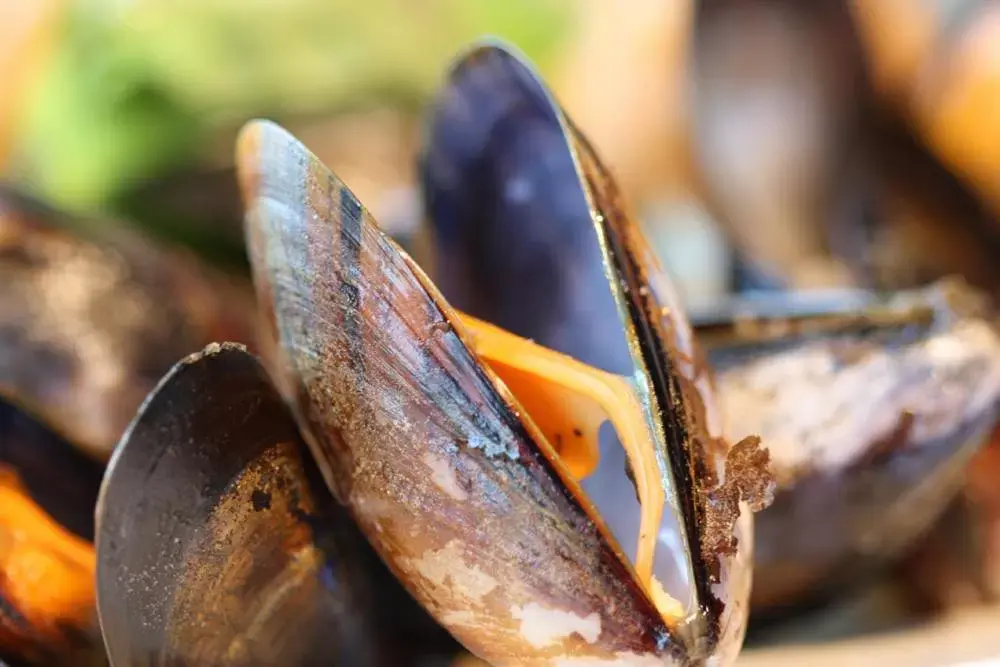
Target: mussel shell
[850, 195]
[777, 96]
[530, 232]
[936, 68]
[91, 316]
[513, 241]
[219, 545]
[871, 418]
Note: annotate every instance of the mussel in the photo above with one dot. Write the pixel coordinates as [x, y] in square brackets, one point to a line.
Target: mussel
[219, 544]
[459, 448]
[512, 244]
[940, 73]
[777, 105]
[805, 154]
[92, 314]
[48, 490]
[872, 408]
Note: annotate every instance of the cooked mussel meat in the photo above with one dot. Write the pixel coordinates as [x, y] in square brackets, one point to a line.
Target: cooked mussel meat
[48, 489]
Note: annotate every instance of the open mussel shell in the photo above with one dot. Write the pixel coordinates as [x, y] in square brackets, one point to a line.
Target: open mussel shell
[92, 315]
[48, 490]
[529, 231]
[871, 408]
[444, 471]
[219, 544]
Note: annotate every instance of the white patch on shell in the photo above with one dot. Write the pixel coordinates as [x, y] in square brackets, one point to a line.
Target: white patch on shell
[449, 563]
[372, 510]
[541, 626]
[805, 403]
[461, 617]
[505, 445]
[443, 475]
[620, 660]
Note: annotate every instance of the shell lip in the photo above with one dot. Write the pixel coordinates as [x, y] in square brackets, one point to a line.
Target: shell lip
[788, 316]
[667, 399]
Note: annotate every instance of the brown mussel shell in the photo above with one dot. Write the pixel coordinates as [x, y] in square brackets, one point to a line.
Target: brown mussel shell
[91, 316]
[219, 544]
[445, 474]
[412, 434]
[871, 409]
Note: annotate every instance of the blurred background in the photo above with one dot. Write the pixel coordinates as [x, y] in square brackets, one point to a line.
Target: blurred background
[829, 144]
[130, 107]
[764, 144]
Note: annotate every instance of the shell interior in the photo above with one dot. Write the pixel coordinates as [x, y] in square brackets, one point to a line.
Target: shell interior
[531, 234]
[217, 543]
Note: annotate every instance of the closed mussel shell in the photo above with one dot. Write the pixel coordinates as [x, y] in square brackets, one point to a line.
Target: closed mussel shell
[816, 130]
[872, 409]
[219, 544]
[777, 103]
[91, 315]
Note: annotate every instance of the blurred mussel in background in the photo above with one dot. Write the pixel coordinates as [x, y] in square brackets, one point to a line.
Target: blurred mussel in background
[872, 408]
[91, 316]
[843, 145]
[211, 519]
[815, 163]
